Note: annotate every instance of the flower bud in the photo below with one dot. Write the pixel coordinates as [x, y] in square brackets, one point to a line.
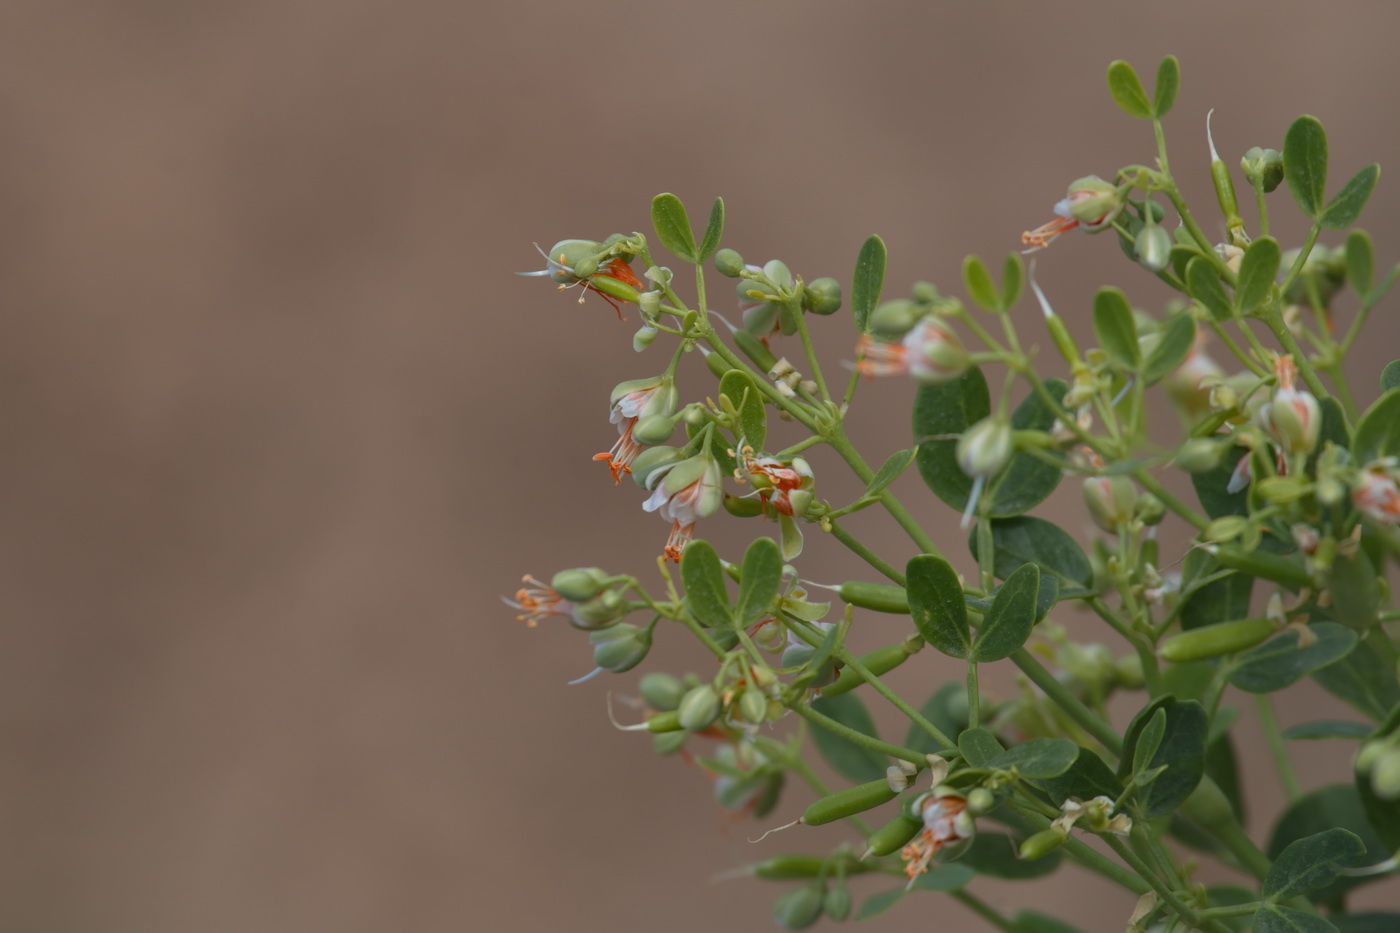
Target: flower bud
[1153, 248]
[1369, 754]
[980, 801]
[753, 705]
[799, 908]
[1110, 500]
[1092, 201]
[1385, 775]
[837, 904]
[822, 296]
[579, 585]
[924, 293]
[698, 708]
[1294, 418]
[661, 691]
[651, 463]
[729, 263]
[1127, 672]
[1201, 455]
[1263, 167]
[571, 254]
[620, 647]
[986, 447]
[600, 611]
[893, 319]
[1149, 509]
[668, 743]
[654, 429]
[1375, 493]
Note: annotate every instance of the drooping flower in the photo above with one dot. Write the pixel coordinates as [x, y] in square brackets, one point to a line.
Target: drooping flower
[1375, 493]
[537, 600]
[683, 492]
[930, 352]
[946, 823]
[1293, 417]
[631, 402]
[1091, 203]
[576, 262]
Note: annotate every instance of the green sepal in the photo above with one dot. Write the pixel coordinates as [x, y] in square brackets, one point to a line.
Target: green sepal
[705, 592]
[1305, 164]
[713, 231]
[672, 225]
[1115, 329]
[761, 577]
[844, 756]
[1258, 269]
[1127, 91]
[937, 606]
[868, 281]
[1329, 807]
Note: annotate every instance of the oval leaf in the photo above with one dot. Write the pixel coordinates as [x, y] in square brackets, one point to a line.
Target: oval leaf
[1114, 327]
[753, 416]
[979, 284]
[1203, 282]
[1279, 662]
[1312, 862]
[1363, 680]
[890, 470]
[1088, 777]
[936, 605]
[1276, 919]
[1356, 594]
[1012, 275]
[1329, 807]
[1027, 539]
[1008, 624]
[1341, 212]
[1127, 90]
[705, 592]
[1378, 431]
[856, 762]
[1178, 337]
[1305, 163]
[940, 411]
[1168, 80]
[995, 856]
[713, 231]
[673, 226]
[1027, 479]
[979, 747]
[1360, 263]
[1390, 376]
[760, 577]
[1037, 758]
[868, 281]
[1258, 269]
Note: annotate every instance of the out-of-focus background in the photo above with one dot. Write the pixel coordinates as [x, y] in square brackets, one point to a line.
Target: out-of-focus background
[280, 426]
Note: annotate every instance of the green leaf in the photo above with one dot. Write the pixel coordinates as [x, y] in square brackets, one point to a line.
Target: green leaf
[1277, 919]
[753, 416]
[856, 762]
[936, 605]
[947, 710]
[760, 577]
[1390, 376]
[705, 591]
[1027, 539]
[1329, 807]
[1037, 758]
[673, 226]
[1218, 601]
[1168, 80]
[1305, 163]
[1148, 741]
[1378, 432]
[1127, 90]
[1114, 327]
[1341, 212]
[1203, 282]
[1363, 680]
[1088, 777]
[1211, 486]
[713, 231]
[979, 747]
[868, 281]
[944, 878]
[1012, 277]
[1046, 594]
[1032, 921]
[1360, 263]
[948, 409]
[1027, 479]
[1279, 662]
[1327, 729]
[1178, 337]
[1258, 270]
[1230, 895]
[1182, 753]
[1383, 816]
[994, 855]
[1356, 594]
[1008, 623]
[1311, 862]
[877, 904]
[1368, 921]
[890, 470]
[980, 287]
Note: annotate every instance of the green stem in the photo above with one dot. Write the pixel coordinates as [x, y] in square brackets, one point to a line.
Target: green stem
[1274, 321]
[795, 309]
[897, 701]
[1144, 651]
[1164, 892]
[1245, 359]
[1274, 738]
[1073, 707]
[856, 736]
[864, 553]
[843, 447]
[1190, 515]
[984, 910]
[974, 697]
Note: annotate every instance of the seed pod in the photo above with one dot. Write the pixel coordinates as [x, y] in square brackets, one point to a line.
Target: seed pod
[620, 647]
[788, 867]
[698, 708]
[661, 691]
[880, 661]
[837, 904]
[880, 597]
[1041, 844]
[761, 356]
[799, 908]
[668, 743]
[895, 318]
[753, 705]
[717, 365]
[742, 506]
[729, 263]
[893, 836]
[847, 802]
[668, 721]
[822, 296]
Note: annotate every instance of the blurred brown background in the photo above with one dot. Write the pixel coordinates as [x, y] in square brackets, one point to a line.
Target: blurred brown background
[280, 425]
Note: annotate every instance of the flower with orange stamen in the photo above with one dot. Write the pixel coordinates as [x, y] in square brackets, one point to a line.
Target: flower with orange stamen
[1375, 493]
[631, 402]
[683, 492]
[1091, 203]
[946, 823]
[583, 263]
[930, 352]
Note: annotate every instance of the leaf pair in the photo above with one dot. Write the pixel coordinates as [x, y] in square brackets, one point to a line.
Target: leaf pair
[1305, 170]
[940, 613]
[668, 216]
[1128, 92]
[707, 595]
[1116, 330]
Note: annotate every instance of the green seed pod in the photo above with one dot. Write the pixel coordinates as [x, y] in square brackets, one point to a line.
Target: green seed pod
[661, 691]
[654, 429]
[1212, 641]
[668, 743]
[822, 296]
[1201, 455]
[893, 836]
[742, 506]
[799, 908]
[699, 708]
[788, 867]
[760, 355]
[652, 460]
[753, 705]
[837, 904]
[1041, 844]
[880, 661]
[620, 647]
[894, 319]
[1263, 167]
[1064, 341]
[848, 802]
[881, 597]
[717, 365]
[668, 721]
[579, 584]
[729, 263]
[1385, 775]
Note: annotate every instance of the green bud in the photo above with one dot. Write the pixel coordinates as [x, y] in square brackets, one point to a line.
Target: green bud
[1153, 247]
[980, 801]
[753, 705]
[1212, 641]
[1385, 775]
[1093, 202]
[651, 460]
[1041, 844]
[1201, 455]
[654, 429]
[699, 708]
[668, 743]
[1263, 167]
[1226, 528]
[579, 585]
[1128, 672]
[986, 447]
[729, 263]
[620, 647]
[924, 293]
[1280, 490]
[1369, 754]
[894, 319]
[572, 253]
[837, 904]
[799, 908]
[600, 611]
[661, 691]
[822, 296]
[650, 303]
[1111, 501]
[1149, 509]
